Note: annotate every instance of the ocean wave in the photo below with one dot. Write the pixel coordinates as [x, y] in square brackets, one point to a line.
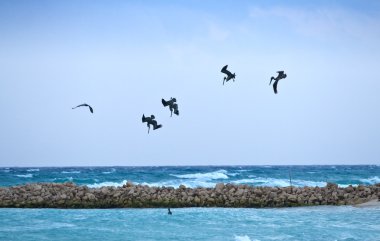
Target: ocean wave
[109, 172]
[371, 180]
[177, 183]
[25, 176]
[220, 174]
[107, 184]
[273, 182]
[33, 170]
[243, 238]
[70, 172]
[169, 183]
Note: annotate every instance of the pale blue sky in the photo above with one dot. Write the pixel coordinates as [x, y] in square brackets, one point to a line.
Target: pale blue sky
[122, 57]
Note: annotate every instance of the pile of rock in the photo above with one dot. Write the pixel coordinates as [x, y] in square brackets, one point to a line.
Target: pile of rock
[69, 195]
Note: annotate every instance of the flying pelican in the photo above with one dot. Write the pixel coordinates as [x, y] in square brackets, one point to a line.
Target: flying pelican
[172, 105]
[281, 75]
[150, 121]
[92, 111]
[228, 73]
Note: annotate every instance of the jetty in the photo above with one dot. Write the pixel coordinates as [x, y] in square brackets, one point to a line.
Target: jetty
[70, 195]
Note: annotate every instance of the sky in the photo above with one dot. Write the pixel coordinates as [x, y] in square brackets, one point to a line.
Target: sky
[122, 57]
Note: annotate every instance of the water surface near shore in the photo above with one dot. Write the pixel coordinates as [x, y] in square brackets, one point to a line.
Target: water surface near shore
[195, 176]
[306, 223]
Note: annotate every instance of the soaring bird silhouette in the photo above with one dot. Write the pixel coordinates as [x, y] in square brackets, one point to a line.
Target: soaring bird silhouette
[172, 105]
[281, 75]
[92, 111]
[228, 73]
[150, 121]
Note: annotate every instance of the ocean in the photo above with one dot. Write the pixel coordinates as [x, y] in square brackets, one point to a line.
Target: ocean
[241, 224]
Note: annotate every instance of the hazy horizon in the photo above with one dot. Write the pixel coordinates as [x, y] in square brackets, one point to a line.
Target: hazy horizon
[122, 57]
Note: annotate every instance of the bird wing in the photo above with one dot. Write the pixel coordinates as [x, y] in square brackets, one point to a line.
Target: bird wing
[80, 105]
[225, 71]
[175, 107]
[275, 86]
[143, 119]
[164, 102]
[281, 72]
[92, 111]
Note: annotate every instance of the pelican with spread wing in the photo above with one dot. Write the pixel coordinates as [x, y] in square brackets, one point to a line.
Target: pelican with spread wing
[228, 73]
[85, 105]
[173, 106]
[150, 121]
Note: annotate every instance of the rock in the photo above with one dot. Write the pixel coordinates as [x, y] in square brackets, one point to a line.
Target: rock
[219, 187]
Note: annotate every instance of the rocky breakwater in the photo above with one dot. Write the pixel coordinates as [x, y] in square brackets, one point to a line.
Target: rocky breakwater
[69, 195]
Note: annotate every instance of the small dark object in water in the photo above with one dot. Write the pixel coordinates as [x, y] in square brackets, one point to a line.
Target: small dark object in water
[228, 73]
[150, 121]
[281, 75]
[92, 111]
[169, 212]
[172, 105]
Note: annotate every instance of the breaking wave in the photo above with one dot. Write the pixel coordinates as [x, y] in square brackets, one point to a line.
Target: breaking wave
[107, 184]
[220, 174]
[243, 238]
[273, 182]
[371, 180]
[70, 172]
[33, 170]
[25, 176]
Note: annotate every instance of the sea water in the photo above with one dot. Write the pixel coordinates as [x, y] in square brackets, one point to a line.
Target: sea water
[241, 224]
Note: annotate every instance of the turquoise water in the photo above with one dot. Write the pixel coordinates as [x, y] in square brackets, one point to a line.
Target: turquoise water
[308, 223]
[205, 176]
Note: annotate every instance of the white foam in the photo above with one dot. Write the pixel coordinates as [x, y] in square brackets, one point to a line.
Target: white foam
[273, 182]
[70, 172]
[220, 174]
[243, 238]
[177, 183]
[347, 185]
[33, 170]
[371, 180]
[107, 184]
[26, 175]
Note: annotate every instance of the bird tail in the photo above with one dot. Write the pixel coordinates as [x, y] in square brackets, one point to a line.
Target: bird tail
[164, 102]
[143, 118]
[176, 112]
[272, 78]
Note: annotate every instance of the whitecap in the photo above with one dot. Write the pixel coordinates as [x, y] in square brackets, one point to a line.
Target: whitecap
[33, 170]
[220, 174]
[107, 184]
[274, 182]
[177, 183]
[70, 172]
[234, 174]
[372, 180]
[25, 176]
[347, 185]
[243, 238]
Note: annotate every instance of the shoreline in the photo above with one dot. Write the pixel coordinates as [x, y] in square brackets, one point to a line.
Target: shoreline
[69, 195]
